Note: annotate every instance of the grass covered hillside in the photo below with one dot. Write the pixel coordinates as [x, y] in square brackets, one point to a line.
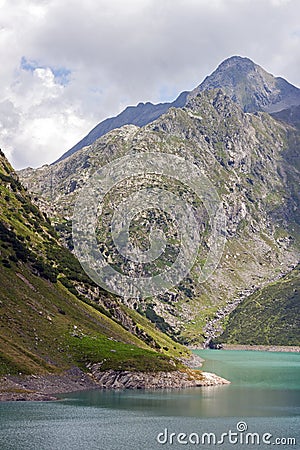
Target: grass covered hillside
[271, 316]
[52, 316]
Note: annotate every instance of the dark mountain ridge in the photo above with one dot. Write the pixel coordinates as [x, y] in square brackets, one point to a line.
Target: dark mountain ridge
[138, 115]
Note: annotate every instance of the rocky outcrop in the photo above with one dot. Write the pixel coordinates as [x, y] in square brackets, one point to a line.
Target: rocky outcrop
[194, 362]
[46, 387]
[112, 379]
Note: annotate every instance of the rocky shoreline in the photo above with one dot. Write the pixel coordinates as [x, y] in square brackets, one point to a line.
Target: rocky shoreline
[154, 380]
[47, 387]
[263, 348]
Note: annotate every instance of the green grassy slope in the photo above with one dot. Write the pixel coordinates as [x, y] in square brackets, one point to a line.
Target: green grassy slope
[45, 328]
[271, 316]
[45, 324]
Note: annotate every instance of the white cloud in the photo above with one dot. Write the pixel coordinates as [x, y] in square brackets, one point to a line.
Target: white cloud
[37, 119]
[68, 65]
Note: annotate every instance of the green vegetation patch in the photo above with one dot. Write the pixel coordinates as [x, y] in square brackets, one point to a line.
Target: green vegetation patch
[270, 316]
[116, 355]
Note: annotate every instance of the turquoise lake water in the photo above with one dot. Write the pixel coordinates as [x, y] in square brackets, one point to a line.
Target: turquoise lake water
[263, 399]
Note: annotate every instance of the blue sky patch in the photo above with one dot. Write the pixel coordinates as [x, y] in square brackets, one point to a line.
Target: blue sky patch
[61, 74]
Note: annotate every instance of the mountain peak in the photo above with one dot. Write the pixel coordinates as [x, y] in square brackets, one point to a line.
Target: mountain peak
[249, 85]
[245, 82]
[237, 60]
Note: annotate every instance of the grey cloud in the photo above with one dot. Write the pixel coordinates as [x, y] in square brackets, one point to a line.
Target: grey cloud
[9, 116]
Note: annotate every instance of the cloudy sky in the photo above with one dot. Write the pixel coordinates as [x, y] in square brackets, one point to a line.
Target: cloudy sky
[67, 65]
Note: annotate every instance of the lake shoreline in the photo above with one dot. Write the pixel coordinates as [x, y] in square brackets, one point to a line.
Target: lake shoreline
[262, 348]
[48, 387]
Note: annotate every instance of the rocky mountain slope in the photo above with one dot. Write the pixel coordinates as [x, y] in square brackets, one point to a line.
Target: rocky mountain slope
[289, 115]
[241, 79]
[52, 315]
[249, 158]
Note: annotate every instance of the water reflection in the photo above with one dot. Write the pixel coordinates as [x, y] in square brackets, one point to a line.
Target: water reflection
[263, 384]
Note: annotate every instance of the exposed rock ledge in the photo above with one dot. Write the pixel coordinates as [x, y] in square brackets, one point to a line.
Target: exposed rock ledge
[111, 379]
[45, 388]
